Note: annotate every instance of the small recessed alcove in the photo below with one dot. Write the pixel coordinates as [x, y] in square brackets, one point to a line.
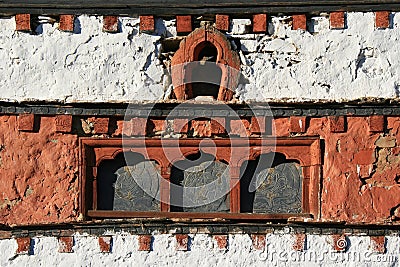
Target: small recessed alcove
[205, 66]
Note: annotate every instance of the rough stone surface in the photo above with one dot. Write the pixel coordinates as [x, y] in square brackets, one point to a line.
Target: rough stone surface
[65, 244]
[278, 189]
[67, 23]
[278, 252]
[284, 65]
[45, 191]
[203, 185]
[137, 188]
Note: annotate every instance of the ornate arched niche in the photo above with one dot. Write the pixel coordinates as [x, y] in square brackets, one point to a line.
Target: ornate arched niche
[205, 44]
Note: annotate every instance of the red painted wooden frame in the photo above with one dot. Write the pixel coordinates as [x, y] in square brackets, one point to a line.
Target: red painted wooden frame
[234, 151]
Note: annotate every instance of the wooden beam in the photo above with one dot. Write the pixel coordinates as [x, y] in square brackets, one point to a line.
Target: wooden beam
[181, 7]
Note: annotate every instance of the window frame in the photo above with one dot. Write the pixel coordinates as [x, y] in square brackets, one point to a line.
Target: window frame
[306, 150]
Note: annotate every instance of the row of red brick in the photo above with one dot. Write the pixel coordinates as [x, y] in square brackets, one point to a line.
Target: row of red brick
[338, 242]
[184, 23]
[205, 127]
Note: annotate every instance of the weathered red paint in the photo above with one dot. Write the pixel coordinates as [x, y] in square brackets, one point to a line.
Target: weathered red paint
[359, 176]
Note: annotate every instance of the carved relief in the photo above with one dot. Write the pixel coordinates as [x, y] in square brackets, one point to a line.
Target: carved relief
[278, 189]
[137, 188]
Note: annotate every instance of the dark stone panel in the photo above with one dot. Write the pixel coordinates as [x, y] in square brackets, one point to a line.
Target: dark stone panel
[278, 189]
[137, 188]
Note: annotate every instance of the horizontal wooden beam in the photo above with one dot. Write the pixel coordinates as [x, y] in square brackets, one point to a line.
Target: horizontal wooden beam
[199, 7]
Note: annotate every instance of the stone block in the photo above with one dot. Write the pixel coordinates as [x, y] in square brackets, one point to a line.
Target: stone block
[66, 23]
[65, 244]
[138, 126]
[201, 127]
[337, 124]
[105, 243]
[378, 244]
[101, 125]
[23, 22]
[218, 125]
[144, 242]
[240, 127]
[26, 122]
[336, 20]
[382, 19]
[339, 242]
[298, 124]
[184, 24]
[222, 22]
[299, 22]
[258, 241]
[63, 123]
[299, 242]
[258, 125]
[110, 24]
[365, 157]
[222, 241]
[376, 123]
[24, 245]
[181, 125]
[147, 24]
[260, 23]
[182, 241]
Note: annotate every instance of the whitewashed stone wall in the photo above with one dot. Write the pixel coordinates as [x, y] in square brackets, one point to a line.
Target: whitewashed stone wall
[94, 66]
[203, 252]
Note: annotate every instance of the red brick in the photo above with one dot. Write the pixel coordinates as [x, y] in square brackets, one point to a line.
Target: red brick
[337, 124]
[299, 242]
[105, 244]
[218, 125]
[240, 127]
[147, 24]
[138, 126]
[365, 171]
[298, 124]
[183, 24]
[382, 19]
[376, 123]
[222, 241]
[336, 20]
[5, 234]
[339, 243]
[378, 244]
[182, 241]
[258, 241]
[260, 23]
[26, 122]
[110, 24]
[201, 127]
[101, 125]
[23, 22]
[158, 125]
[65, 244]
[222, 22]
[24, 245]
[258, 125]
[364, 157]
[299, 22]
[144, 242]
[63, 123]
[181, 125]
[66, 23]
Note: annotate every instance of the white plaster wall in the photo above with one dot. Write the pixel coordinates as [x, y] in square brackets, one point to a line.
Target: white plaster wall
[203, 252]
[94, 66]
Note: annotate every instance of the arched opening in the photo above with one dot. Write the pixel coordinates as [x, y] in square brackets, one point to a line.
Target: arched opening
[199, 184]
[271, 184]
[129, 182]
[205, 75]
